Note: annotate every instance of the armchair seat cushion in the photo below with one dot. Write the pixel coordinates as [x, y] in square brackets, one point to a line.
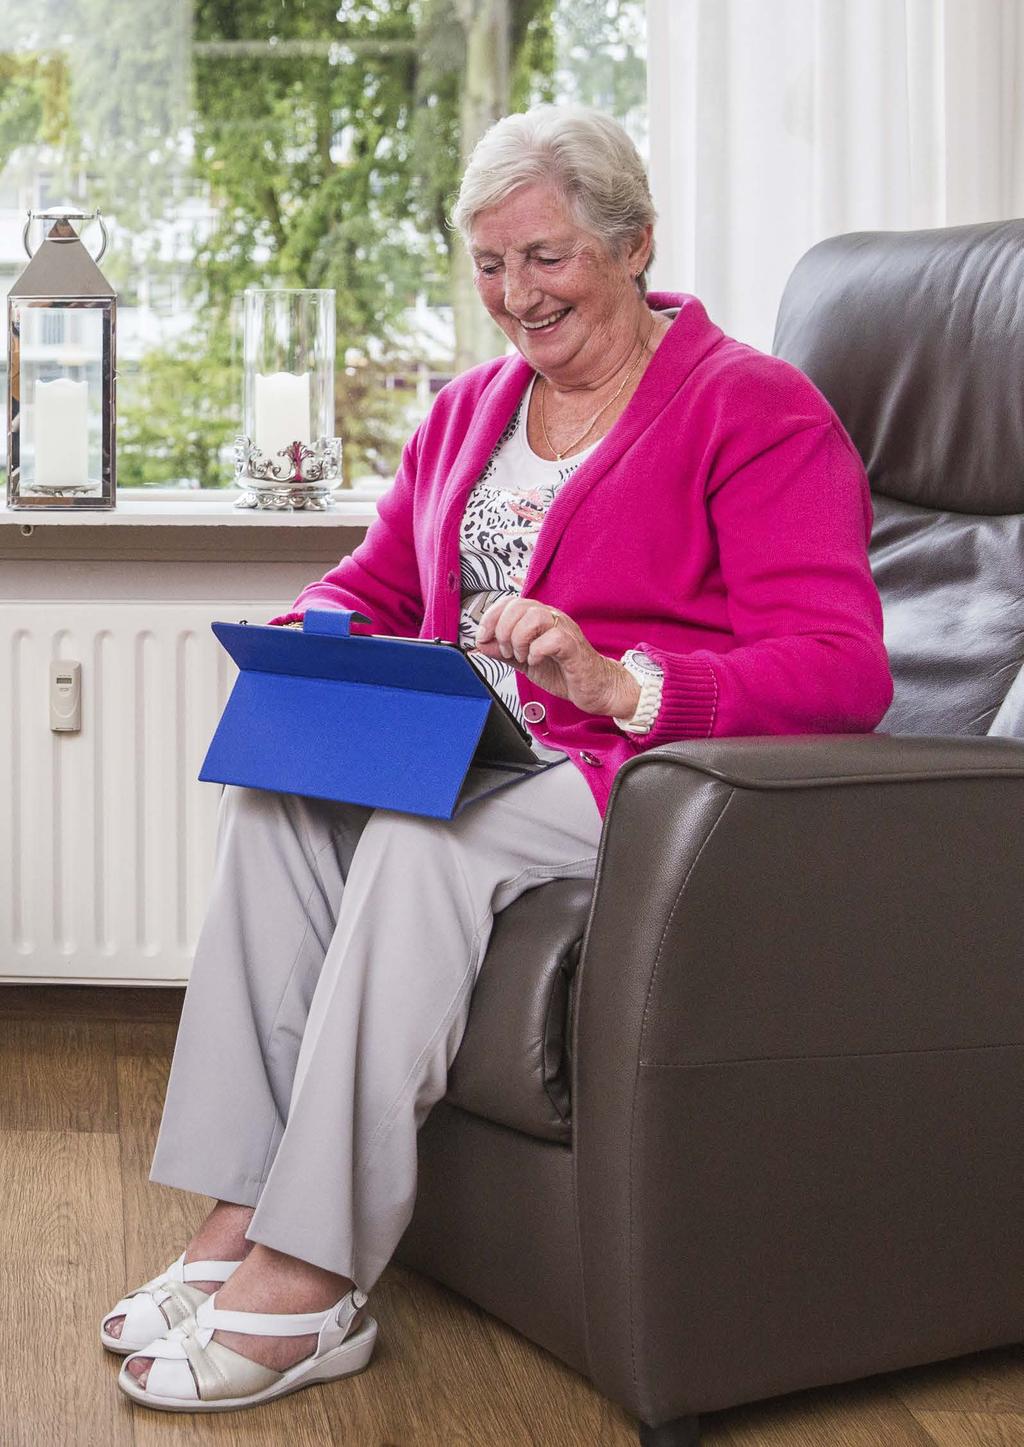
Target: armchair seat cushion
[513, 1066]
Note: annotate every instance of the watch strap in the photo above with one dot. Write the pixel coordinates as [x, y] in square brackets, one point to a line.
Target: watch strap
[650, 676]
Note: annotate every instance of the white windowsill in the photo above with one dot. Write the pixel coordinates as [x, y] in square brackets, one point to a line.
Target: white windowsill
[152, 507]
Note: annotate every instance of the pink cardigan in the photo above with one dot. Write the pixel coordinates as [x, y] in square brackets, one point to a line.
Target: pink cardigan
[721, 525]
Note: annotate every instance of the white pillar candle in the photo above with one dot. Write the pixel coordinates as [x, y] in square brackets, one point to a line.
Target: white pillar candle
[61, 430]
[281, 410]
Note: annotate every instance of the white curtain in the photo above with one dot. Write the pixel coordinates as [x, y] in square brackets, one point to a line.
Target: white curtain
[775, 123]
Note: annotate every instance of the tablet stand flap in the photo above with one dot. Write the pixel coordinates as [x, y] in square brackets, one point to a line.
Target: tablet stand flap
[330, 738]
[398, 662]
[337, 621]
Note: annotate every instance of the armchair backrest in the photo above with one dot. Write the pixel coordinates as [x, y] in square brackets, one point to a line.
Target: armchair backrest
[917, 340]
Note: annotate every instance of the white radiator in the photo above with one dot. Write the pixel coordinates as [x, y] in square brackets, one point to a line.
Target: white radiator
[108, 837]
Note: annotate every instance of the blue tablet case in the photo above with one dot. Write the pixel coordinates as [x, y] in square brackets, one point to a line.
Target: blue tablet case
[394, 723]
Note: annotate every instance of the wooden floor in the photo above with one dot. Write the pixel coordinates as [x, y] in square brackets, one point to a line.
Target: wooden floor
[82, 1075]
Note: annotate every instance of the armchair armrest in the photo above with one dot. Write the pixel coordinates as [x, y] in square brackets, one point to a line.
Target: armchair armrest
[813, 760]
[799, 1067]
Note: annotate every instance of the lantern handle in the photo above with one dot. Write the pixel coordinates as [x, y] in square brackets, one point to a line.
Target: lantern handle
[66, 216]
[105, 238]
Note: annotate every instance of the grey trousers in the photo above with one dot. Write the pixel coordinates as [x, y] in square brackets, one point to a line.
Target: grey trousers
[329, 995]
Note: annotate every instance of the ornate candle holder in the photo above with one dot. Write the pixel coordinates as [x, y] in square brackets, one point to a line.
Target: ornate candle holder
[288, 457]
[298, 477]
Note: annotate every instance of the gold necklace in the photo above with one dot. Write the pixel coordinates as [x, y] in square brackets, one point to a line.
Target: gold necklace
[571, 446]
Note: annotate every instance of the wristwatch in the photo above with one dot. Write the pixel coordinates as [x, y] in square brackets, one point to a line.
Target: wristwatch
[649, 675]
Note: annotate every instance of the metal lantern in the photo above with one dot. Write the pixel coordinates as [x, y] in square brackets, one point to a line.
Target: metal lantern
[61, 315]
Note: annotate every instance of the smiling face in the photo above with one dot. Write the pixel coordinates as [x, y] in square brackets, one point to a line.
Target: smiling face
[573, 311]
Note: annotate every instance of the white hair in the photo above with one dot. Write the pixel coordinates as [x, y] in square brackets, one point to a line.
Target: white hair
[585, 155]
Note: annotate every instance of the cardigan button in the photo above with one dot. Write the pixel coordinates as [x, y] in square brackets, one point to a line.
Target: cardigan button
[591, 759]
[452, 581]
[534, 712]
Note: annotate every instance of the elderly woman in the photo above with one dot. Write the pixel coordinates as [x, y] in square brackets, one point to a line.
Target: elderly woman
[643, 531]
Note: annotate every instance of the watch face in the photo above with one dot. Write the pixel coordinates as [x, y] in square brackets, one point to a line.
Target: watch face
[642, 663]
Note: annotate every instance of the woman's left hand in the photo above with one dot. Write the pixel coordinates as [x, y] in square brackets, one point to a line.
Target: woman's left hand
[546, 645]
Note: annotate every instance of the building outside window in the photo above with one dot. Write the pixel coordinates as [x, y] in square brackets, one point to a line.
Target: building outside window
[235, 143]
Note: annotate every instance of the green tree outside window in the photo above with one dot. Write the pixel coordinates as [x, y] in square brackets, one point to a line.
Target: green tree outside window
[315, 144]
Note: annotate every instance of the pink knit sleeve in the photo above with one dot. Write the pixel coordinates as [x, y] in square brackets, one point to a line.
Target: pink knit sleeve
[381, 576]
[792, 525]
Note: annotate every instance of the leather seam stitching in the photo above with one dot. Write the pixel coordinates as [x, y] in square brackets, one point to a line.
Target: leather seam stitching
[633, 1173]
[825, 781]
[837, 1055]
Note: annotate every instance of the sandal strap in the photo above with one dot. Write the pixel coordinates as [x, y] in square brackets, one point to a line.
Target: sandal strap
[256, 1323]
[165, 1348]
[209, 1317]
[174, 1272]
[184, 1272]
[209, 1270]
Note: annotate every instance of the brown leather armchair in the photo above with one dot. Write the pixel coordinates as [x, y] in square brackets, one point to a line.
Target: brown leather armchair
[749, 1116]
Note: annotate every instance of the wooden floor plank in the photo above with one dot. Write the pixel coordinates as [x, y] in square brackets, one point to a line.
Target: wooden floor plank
[989, 1383]
[60, 1258]
[57, 1075]
[435, 1380]
[560, 1408]
[158, 1220]
[860, 1414]
[974, 1429]
[90, 1002]
[295, 1421]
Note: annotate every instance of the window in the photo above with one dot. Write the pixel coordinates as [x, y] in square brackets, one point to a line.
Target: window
[313, 144]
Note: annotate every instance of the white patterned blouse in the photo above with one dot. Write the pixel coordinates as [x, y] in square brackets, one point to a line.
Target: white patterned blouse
[503, 516]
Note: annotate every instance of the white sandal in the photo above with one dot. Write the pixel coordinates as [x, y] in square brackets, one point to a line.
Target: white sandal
[193, 1373]
[152, 1310]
